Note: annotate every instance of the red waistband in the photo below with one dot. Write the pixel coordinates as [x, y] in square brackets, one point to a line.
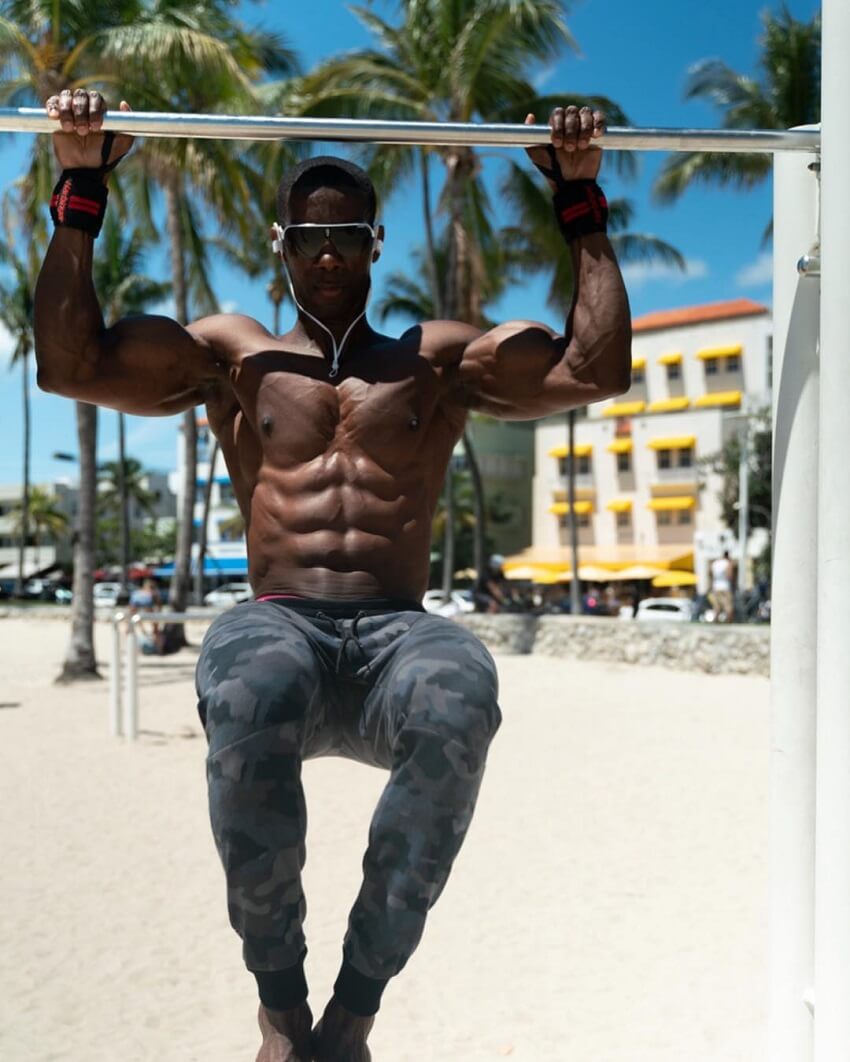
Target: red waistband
[280, 597]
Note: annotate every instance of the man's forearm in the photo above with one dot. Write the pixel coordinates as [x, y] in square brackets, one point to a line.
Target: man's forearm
[598, 327]
[68, 322]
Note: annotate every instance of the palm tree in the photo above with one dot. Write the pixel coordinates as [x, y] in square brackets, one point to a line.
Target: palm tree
[123, 289]
[42, 515]
[16, 303]
[786, 93]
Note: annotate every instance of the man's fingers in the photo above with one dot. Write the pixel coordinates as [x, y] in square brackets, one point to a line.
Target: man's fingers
[585, 127]
[66, 111]
[558, 125]
[529, 119]
[600, 123]
[97, 109]
[572, 124]
[52, 105]
[80, 107]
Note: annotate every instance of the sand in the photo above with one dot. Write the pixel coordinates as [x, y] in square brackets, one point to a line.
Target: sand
[609, 904]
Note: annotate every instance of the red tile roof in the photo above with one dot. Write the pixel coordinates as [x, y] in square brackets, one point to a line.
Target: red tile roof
[711, 311]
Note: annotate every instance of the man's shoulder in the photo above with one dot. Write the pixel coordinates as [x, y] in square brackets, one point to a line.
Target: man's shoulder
[228, 333]
[443, 342]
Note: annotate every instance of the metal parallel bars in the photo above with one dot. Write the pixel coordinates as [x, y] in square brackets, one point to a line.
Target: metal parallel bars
[375, 131]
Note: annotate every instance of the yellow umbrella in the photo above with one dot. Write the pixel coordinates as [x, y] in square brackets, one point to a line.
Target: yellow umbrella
[528, 572]
[675, 579]
[640, 571]
[593, 573]
[466, 573]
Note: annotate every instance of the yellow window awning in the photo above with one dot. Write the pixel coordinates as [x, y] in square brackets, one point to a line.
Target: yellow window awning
[718, 398]
[729, 351]
[673, 442]
[672, 504]
[668, 405]
[638, 363]
[623, 409]
[673, 357]
[582, 450]
[562, 508]
[620, 446]
[620, 505]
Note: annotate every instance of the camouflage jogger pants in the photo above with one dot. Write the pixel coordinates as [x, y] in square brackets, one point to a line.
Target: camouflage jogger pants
[394, 687]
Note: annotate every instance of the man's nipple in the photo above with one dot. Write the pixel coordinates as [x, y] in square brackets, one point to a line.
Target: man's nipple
[413, 423]
[266, 424]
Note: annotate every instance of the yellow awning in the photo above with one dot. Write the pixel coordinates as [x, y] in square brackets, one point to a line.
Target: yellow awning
[719, 398]
[623, 409]
[615, 558]
[728, 351]
[619, 505]
[673, 442]
[638, 363]
[674, 357]
[675, 579]
[620, 446]
[666, 505]
[582, 450]
[668, 405]
[562, 508]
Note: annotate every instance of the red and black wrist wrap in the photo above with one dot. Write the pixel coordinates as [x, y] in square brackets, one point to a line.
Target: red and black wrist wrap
[581, 209]
[79, 200]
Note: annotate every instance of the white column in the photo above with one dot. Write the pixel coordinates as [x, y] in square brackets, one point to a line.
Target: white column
[832, 855]
[793, 611]
[116, 724]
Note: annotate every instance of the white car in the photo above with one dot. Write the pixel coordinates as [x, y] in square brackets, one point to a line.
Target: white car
[229, 594]
[459, 601]
[106, 594]
[678, 609]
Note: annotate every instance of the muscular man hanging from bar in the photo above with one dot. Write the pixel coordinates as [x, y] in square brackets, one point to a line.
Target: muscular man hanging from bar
[336, 438]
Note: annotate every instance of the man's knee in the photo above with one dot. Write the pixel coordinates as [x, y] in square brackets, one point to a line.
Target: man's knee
[254, 683]
[453, 687]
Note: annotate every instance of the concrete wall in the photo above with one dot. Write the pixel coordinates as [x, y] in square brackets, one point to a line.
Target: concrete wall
[681, 646]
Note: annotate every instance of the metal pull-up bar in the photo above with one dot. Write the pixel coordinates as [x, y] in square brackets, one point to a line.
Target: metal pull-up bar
[375, 131]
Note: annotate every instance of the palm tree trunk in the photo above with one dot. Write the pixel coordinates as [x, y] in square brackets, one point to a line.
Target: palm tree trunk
[575, 586]
[449, 536]
[202, 530]
[25, 499]
[461, 163]
[80, 661]
[433, 271]
[479, 535]
[178, 596]
[124, 502]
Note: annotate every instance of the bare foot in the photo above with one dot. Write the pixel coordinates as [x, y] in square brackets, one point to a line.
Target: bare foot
[341, 1036]
[286, 1034]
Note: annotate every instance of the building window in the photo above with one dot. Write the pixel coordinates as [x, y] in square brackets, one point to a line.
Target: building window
[711, 366]
[624, 519]
[584, 466]
[684, 517]
[583, 520]
[674, 372]
[664, 518]
[624, 462]
[665, 459]
[733, 363]
[686, 458]
[638, 378]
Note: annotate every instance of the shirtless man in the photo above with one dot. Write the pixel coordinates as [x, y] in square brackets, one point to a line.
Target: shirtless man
[337, 439]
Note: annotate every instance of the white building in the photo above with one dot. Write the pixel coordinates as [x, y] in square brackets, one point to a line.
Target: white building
[641, 498]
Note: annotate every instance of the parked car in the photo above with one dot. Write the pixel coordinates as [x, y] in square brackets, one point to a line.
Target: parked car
[460, 601]
[678, 609]
[106, 594]
[229, 594]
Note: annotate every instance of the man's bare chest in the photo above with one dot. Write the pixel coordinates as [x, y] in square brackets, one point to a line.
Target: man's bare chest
[385, 409]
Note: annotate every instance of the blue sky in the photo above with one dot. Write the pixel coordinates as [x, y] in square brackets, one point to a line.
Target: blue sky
[636, 53]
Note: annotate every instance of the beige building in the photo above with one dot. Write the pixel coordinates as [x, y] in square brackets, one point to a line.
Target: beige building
[642, 498]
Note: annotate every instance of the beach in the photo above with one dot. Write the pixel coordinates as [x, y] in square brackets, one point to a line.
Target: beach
[609, 905]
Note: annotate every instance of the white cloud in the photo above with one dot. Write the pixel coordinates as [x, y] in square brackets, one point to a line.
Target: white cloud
[757, 274]
[636, 274]
[229, 306]
[540, 80]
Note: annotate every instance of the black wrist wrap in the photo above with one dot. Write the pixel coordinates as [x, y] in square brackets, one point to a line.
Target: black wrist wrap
[581, 209]
[79, 200]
